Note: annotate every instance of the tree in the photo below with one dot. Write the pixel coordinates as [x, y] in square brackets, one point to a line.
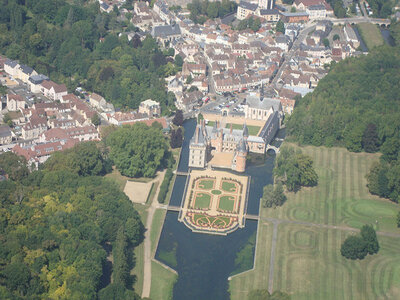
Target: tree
[96, 121]
[398, 219]
[138, 150]
[280, 27]
[176, 138]
[178, 60]
[369, 235]
[7, 119]
[13, 165]
[178, 118]
[273, 197]
[336, 37]
[325, 41]
[293, 9]
[189, 79]
[256, 25]
[354, 247]
[370, 140]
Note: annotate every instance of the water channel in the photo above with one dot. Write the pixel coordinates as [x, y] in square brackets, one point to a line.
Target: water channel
[204, 262]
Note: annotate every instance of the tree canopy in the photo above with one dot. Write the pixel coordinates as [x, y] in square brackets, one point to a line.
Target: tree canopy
[294, 169]
[54, 223]
[200, 10]
[79, 45]
[358, 246]
[138, 150]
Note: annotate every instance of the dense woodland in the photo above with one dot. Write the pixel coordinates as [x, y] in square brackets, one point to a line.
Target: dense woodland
[55, 224]
[357, 105]
[79, 45]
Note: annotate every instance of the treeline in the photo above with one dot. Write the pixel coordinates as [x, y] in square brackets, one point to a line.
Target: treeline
[162, 194]
[78, 45]
[356, 105]
[54, 223]
[381, 8]
[200, 11]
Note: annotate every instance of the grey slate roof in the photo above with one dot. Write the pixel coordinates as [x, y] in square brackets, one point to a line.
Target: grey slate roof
[265, 12]
[249, 6]
[5, 131]
[11, 63]
[27, 70]
[254, 101]
[36, 79]
[317, 7]
[165, 31]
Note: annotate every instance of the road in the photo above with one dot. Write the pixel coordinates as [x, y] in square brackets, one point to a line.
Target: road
[288, 56]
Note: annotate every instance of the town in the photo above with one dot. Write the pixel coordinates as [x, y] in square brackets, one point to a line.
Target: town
[285, 56]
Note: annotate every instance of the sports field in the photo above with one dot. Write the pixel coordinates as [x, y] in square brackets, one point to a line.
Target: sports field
[310, 228]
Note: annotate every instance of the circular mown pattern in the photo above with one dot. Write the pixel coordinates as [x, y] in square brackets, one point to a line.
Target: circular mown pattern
[216, 192]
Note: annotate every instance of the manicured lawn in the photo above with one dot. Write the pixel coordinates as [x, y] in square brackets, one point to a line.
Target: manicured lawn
[216, 192]
[202, 200]
[228, 186]
[371, 35]
[162, 282]
[219, 221]
[119, 179]
[308, 263]
[341, 197]
[206, 184]
[226, 203]
[158, 221]
[152, 192]
[253, 130]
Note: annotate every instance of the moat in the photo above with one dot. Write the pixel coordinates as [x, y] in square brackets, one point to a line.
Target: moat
[203, 261]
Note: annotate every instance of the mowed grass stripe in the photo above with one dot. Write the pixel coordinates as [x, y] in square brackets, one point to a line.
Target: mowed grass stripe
[319, 271]
[258, 279]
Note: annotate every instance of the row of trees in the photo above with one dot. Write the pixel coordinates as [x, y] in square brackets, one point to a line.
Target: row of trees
[162, 194]
[79, 45]
[358, 246]
[201, 10]
[294, 169]
[54, 223]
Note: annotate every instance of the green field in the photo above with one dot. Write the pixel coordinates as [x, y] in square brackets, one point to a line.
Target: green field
[226, 203]
[162, 282]
[202, 200]
[307, 262]
[253, 130]
[206, 184]
[216, 192]
[371, 35]
[228, 186]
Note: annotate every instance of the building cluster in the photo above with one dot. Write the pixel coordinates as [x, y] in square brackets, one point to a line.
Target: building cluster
[47, 118]
[219, 146]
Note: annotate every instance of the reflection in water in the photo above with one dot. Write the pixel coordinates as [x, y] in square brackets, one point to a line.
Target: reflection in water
[204, 262]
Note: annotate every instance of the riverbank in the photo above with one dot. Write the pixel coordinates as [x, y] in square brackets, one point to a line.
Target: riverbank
[298, 244]
[370, 34]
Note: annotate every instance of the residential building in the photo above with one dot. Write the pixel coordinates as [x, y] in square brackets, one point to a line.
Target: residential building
[150, 107]
[52, 90]
[5, 135]
[15, 102]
